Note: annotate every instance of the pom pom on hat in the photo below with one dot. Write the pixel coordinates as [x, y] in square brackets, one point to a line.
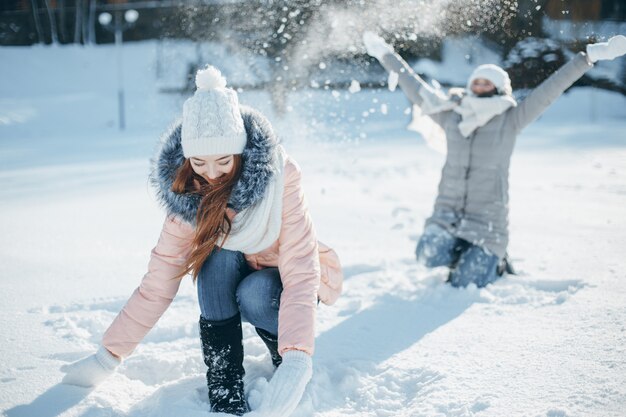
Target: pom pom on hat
[209, 78]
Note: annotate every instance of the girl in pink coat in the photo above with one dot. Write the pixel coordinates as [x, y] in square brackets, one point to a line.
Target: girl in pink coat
[238, 223]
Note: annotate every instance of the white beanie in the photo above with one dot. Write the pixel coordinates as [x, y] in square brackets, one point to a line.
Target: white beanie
[495, 74]
[212, 122]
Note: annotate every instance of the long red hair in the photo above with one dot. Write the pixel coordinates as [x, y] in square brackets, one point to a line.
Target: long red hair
[211, 220]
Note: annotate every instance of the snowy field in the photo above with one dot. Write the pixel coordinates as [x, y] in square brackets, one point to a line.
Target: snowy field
[78, 220]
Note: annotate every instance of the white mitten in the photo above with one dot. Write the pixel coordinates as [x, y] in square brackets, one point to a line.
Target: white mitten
[616, 46]
[92, 370]
[376, 46]
[286, 387]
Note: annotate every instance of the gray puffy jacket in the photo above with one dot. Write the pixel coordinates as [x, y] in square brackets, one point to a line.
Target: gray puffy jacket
[473, 201]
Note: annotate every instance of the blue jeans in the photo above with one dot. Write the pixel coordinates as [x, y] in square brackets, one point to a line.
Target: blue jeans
[468, 263]
[228, 286]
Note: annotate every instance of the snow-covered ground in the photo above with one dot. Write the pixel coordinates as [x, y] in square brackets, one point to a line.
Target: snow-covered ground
[78, 220]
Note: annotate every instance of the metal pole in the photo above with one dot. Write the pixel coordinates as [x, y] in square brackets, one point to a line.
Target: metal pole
[120, 76]
[159, 52]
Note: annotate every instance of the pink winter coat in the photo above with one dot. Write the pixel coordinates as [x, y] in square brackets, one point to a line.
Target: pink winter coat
[309, 270]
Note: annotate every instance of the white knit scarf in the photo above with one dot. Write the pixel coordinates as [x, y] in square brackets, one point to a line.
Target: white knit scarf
[257, 227]
[475, 112]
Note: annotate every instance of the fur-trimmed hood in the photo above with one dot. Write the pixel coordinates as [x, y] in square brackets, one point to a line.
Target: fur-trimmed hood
[256, 171]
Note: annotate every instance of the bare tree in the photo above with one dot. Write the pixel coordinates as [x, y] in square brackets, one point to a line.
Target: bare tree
[92, 22]
[275, 30]
[78, 7]
[53, 23]
[34, 6]
[85, 21]
[62, 31]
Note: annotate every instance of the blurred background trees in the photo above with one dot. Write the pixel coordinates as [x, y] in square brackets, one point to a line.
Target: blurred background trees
[298, 39]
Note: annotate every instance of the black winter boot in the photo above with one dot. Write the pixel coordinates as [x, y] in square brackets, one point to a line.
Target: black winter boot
[506, 266]
[222, 347]
[271, 342]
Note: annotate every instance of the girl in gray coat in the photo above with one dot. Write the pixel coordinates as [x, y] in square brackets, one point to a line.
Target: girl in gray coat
[468, 230]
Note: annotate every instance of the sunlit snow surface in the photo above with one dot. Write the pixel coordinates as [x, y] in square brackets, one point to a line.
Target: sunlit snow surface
[78, 221]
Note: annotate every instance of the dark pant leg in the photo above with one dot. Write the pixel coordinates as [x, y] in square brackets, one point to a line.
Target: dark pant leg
[258, 296]
[220, 330]
[476, 266]
[217, 284]
[438, 247]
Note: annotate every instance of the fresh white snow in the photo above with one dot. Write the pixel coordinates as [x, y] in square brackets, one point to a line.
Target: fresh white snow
[78, 221]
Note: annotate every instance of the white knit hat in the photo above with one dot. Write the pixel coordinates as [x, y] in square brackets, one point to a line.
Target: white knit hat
[212, 123]
[495, 74]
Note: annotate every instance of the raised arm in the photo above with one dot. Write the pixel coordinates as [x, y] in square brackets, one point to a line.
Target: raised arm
[557, 83]
[412, 85]
[409, 81]
[548, 91]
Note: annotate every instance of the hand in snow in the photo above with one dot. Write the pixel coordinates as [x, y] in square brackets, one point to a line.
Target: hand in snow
[615, 47]
[286, 387]
[92, 370]
[376, 46]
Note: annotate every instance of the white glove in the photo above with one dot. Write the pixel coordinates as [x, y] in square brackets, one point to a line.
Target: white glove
[92, 370]
[376, 46]
[286, 387]
[616, 46]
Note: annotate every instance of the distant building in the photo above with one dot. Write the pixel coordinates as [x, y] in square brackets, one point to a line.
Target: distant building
[583, 20]
[586, 10]
[26, 5]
